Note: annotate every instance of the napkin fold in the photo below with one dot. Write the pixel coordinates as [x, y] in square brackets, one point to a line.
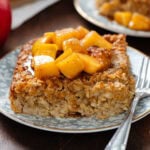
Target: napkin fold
[24, 12]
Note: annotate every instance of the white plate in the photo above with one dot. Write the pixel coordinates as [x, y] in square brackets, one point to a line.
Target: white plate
[66, 125]
[87, 9]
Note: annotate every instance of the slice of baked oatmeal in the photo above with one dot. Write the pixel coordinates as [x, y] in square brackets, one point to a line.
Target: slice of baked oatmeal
[81, 87]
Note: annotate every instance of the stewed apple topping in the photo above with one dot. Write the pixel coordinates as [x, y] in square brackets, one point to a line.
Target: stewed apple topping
[69, 52]
[133, 14]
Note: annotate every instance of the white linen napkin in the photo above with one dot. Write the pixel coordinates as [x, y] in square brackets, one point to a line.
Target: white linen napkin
[24, 12]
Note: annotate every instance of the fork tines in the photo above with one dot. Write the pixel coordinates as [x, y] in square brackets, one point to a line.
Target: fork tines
[143, 80]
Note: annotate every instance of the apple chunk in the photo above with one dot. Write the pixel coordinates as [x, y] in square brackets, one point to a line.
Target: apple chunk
[71, 66]
[91, 65]
[44, 49]
[74, 44]
[44, 67]
[94, 39]
[65, 54]
[123, 18]
[139, 22]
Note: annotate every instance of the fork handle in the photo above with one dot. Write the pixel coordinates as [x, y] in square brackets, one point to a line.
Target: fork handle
[120, 138]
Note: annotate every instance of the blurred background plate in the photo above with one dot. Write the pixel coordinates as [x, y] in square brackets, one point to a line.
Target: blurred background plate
[87, 9]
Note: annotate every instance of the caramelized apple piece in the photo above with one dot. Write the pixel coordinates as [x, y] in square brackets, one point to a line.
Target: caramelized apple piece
[91, 65]
[44, 67]
[123, 18]
[139, 22]
[48, 37]
[65, 54]
[74, 44]
[65, 34]
[94, 39]
[108, 8]
[46, 70]
[71, 66]
[81, 32]
[44, 49]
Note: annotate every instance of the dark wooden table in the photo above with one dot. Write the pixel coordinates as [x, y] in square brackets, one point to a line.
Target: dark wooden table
[14, 136]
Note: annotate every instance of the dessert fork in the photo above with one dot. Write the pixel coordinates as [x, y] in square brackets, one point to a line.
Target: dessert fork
[119, 139]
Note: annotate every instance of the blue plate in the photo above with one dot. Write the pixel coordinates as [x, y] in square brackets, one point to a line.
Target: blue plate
[65, 125]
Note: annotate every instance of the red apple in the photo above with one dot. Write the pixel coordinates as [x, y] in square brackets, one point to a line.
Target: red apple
[5, 20]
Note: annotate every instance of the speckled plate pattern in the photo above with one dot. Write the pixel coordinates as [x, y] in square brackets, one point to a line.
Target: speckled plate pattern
[87, 9]
[66, 125]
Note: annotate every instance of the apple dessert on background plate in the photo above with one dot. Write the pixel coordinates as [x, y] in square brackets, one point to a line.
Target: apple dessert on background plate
[133, 14]
[73, 72]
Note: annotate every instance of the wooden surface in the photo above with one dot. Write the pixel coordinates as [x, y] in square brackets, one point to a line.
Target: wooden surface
[14, 136]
